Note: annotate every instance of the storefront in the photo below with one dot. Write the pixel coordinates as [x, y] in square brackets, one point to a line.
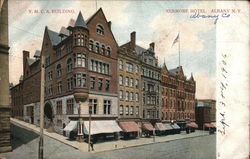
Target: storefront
[147, 129]
[129, 129]
[160, 129]
[169, 128]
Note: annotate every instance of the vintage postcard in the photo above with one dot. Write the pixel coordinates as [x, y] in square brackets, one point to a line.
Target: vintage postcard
[124, 79]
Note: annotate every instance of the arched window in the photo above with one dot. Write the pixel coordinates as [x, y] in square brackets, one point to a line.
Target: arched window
[78, 40]
[108, 51]
[91, 45]
[82, 39]
[99, 29]
[103, 50]
[97, 48]
[59, 70]
[69, 65]
[121, 65]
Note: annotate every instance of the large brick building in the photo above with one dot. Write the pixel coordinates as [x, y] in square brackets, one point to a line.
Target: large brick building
[177, 96]
[80, 70]
[202, 113]
[212, 104]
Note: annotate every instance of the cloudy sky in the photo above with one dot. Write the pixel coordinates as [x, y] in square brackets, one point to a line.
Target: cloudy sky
[148, 18]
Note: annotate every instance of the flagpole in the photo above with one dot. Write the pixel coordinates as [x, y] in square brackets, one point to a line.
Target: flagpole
[179, 50]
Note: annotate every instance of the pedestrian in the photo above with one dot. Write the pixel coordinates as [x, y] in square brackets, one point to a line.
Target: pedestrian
[92, 145]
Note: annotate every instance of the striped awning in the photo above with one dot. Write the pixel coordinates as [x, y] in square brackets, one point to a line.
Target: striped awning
[129, 126]
[160, 127]
[168, 126]
[148, 126]
[101, 127]
[192, 124]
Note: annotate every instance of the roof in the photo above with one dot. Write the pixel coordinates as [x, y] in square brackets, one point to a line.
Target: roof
[30, 61]
[37, 53]
[129, 126]
[101, 126]
[54, 37]
[139, 50]
[174, 71]
[191, 77]
[80, 22]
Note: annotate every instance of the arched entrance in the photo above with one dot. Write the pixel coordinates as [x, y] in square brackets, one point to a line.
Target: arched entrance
[48, 116]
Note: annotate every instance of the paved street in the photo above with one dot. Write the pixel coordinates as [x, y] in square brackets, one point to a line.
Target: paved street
[202, 147]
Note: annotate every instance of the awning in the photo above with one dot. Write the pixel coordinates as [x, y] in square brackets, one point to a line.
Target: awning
[129, 126]
[148, 126]
[208, 125]
[168, 126]
[160, 127]
[175, 126]
[192, 124]
[101, 126]
[71, 126]
[214, 124]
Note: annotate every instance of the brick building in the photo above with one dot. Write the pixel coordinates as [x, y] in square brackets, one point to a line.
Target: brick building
[212, 104]
[80, 70]
[177, 96]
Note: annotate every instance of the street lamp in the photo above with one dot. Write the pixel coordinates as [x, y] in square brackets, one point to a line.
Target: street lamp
[90, 112]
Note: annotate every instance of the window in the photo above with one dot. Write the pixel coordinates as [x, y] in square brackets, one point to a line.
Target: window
[131, 82]
[92, 82]
[132, 110]
[131, 95]
[59, 70]
[94, 105]
[78, 40]
[126, 81]
[121, 109]
[95, 66]
[136, 69]
[47, 61]
[100, 84]
[137, 110]
[91, 45]
[121, 80]
[58, 53]
[127, 96]
[69, 84]
[121, 65]
[136, 83]
[107, 85]
[137, 97]
[121, 94]
[80, 60]
[80, 81]
[144, 86]
[82, 39]
[59, 107]
[70, 106]
[69, 47]
[69, 65]
[59, 87]
[50, 75]
[97, 48]
[127, 111]
[129, 67]
[103, 67]
[99, 29]
[99, 67]
[103, 50]
[108, 51]
[106, 107]
[50, 90]
[107, 69]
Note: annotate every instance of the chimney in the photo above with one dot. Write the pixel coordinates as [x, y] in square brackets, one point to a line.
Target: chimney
[109, 24]
[25, 55]
[132, 40]
[152, 45]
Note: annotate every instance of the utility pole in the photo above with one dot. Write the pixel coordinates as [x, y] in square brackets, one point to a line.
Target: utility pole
[41, 109]
[90, 112]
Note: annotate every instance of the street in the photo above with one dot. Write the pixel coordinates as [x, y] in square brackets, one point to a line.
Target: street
[202, 147]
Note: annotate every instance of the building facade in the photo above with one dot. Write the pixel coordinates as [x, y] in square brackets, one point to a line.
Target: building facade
[80, 70]
[202, 113]
[177, 96]
[212, 104]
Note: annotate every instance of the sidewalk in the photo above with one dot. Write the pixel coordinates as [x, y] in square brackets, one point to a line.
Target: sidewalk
[110, 145]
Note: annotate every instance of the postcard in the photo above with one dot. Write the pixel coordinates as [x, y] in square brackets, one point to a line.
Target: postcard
[124, 79]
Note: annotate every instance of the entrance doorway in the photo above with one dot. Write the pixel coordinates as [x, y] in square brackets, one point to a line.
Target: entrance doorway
[48, 116]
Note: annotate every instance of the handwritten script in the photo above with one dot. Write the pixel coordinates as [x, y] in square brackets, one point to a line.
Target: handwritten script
[222, 102]
[198, 15]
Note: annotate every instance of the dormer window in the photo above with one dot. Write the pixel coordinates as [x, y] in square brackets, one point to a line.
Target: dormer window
[108, 51]
[100, 29]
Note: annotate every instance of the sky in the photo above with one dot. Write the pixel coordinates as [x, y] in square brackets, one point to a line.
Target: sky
[148, 18]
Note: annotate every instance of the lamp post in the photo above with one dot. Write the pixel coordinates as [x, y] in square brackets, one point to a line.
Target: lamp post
[90, 112]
